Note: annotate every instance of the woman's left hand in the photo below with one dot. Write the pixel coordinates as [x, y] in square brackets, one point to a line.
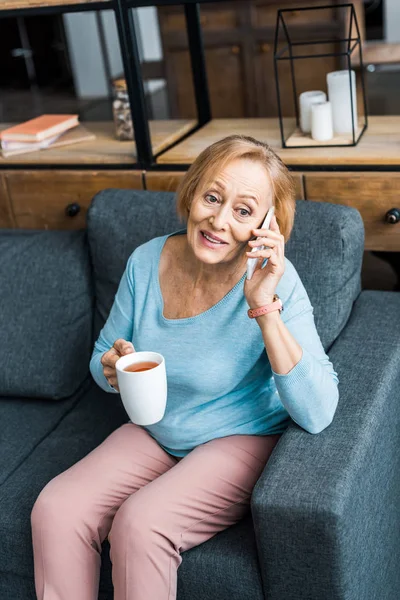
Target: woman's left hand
[259, 290]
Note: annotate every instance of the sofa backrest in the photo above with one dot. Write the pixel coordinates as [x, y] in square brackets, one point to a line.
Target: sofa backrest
[46, 313]
[326, 247]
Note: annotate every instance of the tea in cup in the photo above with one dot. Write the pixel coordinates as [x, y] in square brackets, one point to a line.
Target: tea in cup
[142, 383]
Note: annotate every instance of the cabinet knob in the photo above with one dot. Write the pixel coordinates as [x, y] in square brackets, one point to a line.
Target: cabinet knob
[265, 48]
[72, 209]
[392, 216]
[235, 49]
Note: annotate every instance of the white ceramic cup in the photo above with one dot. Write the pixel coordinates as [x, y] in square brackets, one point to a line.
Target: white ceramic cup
[143, 393]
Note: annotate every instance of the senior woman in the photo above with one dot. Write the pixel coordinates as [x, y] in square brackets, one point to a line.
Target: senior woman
[234, 384]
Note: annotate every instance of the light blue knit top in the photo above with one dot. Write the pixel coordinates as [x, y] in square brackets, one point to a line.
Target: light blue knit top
[220, 381]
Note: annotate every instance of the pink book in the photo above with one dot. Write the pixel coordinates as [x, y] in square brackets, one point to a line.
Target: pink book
[40, 128]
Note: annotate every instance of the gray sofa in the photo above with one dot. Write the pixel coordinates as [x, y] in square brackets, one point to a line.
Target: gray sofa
[325, 514]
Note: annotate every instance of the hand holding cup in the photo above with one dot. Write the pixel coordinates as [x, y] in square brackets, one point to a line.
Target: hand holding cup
[120, 348]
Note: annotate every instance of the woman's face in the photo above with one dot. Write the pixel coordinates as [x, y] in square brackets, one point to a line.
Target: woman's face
[226, 210]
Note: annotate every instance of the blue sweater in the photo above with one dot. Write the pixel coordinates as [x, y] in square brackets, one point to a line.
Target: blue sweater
[220, 381]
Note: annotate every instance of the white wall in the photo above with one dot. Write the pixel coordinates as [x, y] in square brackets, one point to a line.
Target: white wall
[391, 20]
[85, 50]
[151, 42]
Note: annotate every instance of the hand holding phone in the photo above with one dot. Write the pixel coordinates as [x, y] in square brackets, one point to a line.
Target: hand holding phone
[252, 262]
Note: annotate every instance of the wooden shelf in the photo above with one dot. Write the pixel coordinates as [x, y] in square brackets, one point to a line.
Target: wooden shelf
[16, 4]
[380, 144]
[298, 138]
[105, 149]
[378, 53]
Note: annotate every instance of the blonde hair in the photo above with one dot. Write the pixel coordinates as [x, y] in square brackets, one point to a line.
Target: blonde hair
[218, 155]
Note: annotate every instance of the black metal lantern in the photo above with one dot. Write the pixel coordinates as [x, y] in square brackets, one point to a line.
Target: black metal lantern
[288, 51]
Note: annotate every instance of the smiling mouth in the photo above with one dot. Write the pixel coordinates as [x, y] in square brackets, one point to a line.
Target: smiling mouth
[212, 240]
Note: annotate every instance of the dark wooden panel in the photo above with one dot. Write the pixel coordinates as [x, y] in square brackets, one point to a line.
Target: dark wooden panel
[212, 17]
[309, 74]
[225, 70]
[265, 13]
[6, 216]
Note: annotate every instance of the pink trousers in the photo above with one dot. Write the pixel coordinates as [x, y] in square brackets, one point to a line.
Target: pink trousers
[151, 505]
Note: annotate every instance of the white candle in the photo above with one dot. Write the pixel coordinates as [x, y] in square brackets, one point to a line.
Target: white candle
[321, 122]
[339, 96]
[307, 99]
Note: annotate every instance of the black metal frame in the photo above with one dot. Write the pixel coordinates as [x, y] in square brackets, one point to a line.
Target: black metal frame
[132, 71]
[279, 55]
[145, 160]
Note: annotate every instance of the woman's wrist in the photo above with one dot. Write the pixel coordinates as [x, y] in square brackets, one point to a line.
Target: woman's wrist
[264, 302]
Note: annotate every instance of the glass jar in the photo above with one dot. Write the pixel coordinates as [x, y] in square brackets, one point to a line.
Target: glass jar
[122, 111]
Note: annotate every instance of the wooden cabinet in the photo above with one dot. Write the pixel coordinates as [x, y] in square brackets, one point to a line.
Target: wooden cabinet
[239, 49]
[60, 199]
[169, 181]
[6, 216]
[163, 181]
[372, 194]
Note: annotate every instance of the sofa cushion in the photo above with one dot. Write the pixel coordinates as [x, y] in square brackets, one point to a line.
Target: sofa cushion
[118, 221]
[223, 568]
[24, 424]
[46, 313]
[93, 417]
[326, 247]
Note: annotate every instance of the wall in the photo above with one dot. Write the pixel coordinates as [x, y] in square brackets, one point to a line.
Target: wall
[391, 10]
[85, 49]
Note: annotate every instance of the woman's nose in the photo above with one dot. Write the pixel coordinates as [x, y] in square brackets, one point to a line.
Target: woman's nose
[220, 218]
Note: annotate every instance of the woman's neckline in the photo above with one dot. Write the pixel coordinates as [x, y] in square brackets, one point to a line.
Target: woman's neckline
[161, 299]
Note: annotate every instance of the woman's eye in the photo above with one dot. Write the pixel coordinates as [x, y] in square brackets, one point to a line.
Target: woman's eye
[211, 198]
[243, 212]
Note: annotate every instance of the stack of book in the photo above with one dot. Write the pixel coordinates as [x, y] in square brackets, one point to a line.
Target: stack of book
[47, 131]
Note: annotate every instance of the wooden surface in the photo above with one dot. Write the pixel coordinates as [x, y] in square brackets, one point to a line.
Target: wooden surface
[39, 198]
[6, 215]
[378, 53]
[373, 194]
[380, 144]
[298, 138]
[168, 181]
[163, 181]
[105, 149]
[14, 4]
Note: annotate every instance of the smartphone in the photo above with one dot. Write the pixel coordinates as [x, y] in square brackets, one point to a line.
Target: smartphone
[252, 262]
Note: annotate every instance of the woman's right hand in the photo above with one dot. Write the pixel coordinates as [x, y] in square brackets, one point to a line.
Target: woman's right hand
[109, 358]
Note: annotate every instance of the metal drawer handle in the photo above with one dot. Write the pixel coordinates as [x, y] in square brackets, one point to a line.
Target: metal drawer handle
[392, 216]
[72, 209]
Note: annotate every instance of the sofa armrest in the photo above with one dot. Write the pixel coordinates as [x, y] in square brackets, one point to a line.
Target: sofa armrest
[326, 509]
